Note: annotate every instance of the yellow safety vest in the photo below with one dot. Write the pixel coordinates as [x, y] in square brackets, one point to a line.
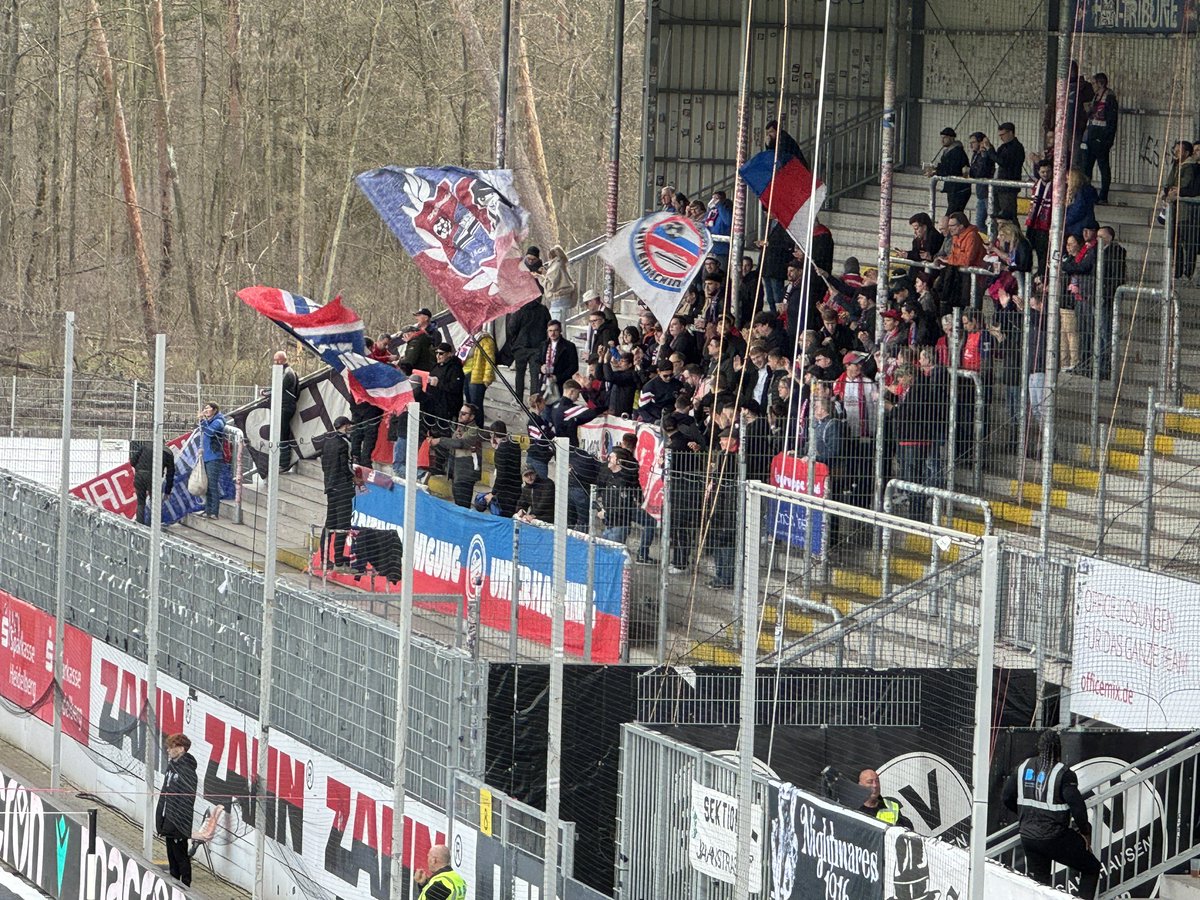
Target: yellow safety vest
[452, 880]
[889, 811]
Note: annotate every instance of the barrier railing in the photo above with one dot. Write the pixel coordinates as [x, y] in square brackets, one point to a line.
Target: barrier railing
[991, 183]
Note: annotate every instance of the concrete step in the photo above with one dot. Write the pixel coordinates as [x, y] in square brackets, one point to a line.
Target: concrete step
[1179, 887]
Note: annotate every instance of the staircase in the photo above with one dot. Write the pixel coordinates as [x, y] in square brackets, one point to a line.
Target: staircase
[1143, 821]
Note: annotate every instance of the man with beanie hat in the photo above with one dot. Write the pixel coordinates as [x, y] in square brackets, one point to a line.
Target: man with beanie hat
[952, 162]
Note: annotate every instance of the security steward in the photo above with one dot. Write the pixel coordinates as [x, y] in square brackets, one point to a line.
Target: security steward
[1045, 792]
[885, 809]
[439, 881]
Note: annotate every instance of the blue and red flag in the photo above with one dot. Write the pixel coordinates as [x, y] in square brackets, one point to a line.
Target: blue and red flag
[787, 190]
[335, 333]
[463, 229]
[658, 256]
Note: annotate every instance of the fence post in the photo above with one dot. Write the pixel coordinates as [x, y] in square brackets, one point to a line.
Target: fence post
[12, 410]
[745, 780]
[154, 732]
[952, 433]
[589, 598]
[1102, 489]
[64, 502]
[665, 562]
[199, 398]
[1167, 288]
[981, 412]
[739, 550]
[1148, 482]
[981, 757]
[268, 632]
[400, 737]
[555, 697]
[514, 597]
[133, 418]
[1097, 333]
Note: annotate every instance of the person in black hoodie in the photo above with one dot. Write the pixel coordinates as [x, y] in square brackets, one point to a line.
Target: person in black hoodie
[176, 805]
[526, 338]
[338, 474]
[506, 485]
[142, 459]
[537, 497]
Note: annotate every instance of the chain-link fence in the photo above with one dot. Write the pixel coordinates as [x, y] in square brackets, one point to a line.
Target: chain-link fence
[335, 672]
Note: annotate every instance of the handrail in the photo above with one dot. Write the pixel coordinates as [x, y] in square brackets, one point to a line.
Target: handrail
[992, 184]
[823, 609]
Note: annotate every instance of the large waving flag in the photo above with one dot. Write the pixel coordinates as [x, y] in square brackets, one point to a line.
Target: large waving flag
[658, 256]
[787, 189]
[335, 333]
[463, 229]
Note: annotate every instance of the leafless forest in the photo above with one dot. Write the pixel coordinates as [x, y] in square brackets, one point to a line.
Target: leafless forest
[156, 156]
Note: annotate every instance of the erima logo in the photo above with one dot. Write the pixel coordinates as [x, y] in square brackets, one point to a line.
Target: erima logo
[1029, 774]
[64, 840]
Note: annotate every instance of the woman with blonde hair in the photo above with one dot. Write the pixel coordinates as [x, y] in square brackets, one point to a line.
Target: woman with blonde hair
[1013, 248]
[1081, 204]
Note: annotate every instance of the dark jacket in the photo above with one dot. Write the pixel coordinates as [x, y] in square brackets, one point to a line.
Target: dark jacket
[952, 162]
[291, 392]
[1114, 268]
[623, 388]
[335, 463]
[1061, 787]
[686, 346]
[566, 359]
[177, 801]
[142, 460]
[537, 499]
[506, 485]
[657, 397]
[1081, 212]
[418, 353]
[443, 400]
[982, 166]
[931, 244]
[778, 252]
[1009, 159]
[567, 415]
[619, 494]
[923, 413]
[607, 333]
[759, 446]
[527, 329]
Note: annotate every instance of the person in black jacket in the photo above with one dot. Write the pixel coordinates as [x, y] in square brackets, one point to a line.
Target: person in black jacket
[141, 457]
[537, 497]
[506, 483]
[624, 382]
[287, 403]
[558, 357]
[176, 806]
[526, 338]
[952, 162]
[338, 474]
[442, 399]
[927, 240]
[1045, 792]
[777, 137]
[777, 252]
[1009, 158]
[1100, 133]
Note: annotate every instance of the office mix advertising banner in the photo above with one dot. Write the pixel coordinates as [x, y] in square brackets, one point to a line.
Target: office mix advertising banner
[467, 554]
[1133, 650]
[328, 824]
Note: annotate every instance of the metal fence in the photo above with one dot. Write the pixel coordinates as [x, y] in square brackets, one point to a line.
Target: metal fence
[335, 670]
[657, 774]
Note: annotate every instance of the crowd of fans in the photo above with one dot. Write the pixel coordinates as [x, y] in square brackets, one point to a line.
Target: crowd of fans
[790, 353]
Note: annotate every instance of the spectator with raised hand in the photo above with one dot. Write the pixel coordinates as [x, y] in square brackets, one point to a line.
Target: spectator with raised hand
[952, 161]
[623, 381]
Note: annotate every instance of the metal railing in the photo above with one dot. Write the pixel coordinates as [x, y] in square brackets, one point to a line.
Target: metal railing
[1150, 792]
[991, 183]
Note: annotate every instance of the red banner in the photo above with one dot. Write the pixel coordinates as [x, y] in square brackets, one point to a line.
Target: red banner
[27, 656]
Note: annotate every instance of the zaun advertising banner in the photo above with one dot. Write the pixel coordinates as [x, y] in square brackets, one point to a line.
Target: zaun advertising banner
[328, 825]
[1135, 635]
[821, 850]
[712, 837]
[469, 554]
[789, 521]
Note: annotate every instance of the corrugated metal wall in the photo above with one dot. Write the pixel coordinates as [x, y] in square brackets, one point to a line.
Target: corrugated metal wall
[694, 56]
[971, 66]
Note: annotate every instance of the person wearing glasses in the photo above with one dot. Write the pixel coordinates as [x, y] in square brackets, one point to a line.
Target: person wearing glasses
[461, 453]
[560, 359]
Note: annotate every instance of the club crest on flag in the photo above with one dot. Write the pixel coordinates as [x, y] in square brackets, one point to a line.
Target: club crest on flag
[667, 252]
[658, 256]
[455, 221]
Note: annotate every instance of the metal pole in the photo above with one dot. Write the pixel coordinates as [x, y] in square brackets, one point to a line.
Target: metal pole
[99, 438]
[1023, 425]
[64, 501]
[981, 761]
[268, 633]
[133, 418]
[952, 429]
[981, 412]
[1176, 349]
[153, 576]
[590, 597]
[745, 780]
[739, 576]
[1102, 489]
[887, 143]
[1168, 286]
[665, 563]
[555, 699]
[514, 596]
[1097, 332]
[1054, 290]
[1148, 481]
[991, 211]
[400, 738]
[12, 409]
[199, 391]
[614, 140]
[737, 228]
[502, 106]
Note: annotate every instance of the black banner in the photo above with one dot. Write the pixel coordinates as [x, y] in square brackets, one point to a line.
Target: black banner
[508, 872]
[822, 851]
[41, 844]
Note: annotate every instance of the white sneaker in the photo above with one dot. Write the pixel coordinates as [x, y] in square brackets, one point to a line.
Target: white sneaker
[675, 570]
